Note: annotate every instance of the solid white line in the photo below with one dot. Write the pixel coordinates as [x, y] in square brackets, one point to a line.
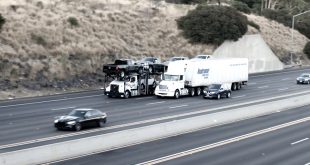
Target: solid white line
[56, 109]
[238, 96]
[156, 102]
[299, 141]
[224, 142]
[38, 102]
[144, 121]
[266, 86]
[283, 89]
[285, 79]
[280, 73]
[178, 106]
[307, 163]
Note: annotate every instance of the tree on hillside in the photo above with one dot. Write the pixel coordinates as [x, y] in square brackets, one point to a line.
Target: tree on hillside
[307, 49]
[213, 24]
[2, 21]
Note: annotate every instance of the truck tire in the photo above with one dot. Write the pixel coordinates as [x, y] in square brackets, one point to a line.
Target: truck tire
[126, 94]
[192, 92]
[198, 91]
[176, 94]
[228, 95]
[140, 70]
[233, 86]
[122, 74]
[154, 84]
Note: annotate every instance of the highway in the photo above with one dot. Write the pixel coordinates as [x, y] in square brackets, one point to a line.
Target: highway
[282, 138]
[28, 122]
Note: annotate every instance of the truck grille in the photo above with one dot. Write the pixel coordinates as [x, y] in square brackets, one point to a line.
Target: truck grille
[114, 88]
[163, 87]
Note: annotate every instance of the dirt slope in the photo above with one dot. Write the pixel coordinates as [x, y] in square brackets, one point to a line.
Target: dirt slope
[39, 45]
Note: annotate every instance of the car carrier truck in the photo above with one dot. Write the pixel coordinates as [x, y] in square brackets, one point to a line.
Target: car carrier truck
[130, 83]
[190, 77]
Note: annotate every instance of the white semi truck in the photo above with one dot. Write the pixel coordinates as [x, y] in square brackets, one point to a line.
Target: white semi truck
[190, 77]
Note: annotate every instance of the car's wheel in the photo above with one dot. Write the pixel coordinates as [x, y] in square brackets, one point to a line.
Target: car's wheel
[198, 91]
[77, 127]
[101, 123]
[228, 95]
[140, 70]
[176, 94]
[105, 120]
[151, 69]
[308, 82]
[122, 74]
[218, 96]
[126, 94]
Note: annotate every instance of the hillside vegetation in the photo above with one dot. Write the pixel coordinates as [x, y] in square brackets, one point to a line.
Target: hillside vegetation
[63, 43]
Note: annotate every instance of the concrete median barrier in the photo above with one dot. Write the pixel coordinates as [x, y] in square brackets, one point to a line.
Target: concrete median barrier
[111, 141]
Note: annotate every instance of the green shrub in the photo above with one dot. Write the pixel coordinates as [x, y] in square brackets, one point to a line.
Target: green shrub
[212, 24]
[302, 24]
[307, 50]
[281, 16]
[2, 22]
[186, 1]
[241, 7]
[73, 21]
[250, 3]
[253, 24]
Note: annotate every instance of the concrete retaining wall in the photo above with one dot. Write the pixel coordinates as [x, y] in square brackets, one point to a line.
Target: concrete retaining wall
[261, 58]
[129, 137]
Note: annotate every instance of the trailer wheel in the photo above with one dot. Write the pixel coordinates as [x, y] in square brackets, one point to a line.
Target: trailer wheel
[192, 92]
[176, 94]
[233, 86]
[198, 91]
[228, 95]
[126, 95]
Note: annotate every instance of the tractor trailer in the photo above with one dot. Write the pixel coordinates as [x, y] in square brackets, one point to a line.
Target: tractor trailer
[190, 77]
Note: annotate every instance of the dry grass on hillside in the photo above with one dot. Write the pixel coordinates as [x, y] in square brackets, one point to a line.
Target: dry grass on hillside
[39, 43]
[38, 39]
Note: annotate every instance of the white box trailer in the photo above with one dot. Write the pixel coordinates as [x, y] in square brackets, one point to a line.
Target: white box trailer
[190, 77]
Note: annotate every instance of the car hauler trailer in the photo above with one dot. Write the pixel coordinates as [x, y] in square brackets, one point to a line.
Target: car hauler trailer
[190, 77]
[129, 84]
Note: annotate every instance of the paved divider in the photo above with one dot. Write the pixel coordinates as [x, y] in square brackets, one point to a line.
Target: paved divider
[111, 141]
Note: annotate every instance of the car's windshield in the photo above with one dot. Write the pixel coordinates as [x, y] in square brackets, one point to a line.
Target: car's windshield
[214, 86]
[77, 113]
[304, 75]
[171, 77]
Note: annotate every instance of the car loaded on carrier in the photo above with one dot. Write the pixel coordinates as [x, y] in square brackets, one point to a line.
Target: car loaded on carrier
[129, 79]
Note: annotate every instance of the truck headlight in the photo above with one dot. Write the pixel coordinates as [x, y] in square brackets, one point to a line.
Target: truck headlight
[71, 122]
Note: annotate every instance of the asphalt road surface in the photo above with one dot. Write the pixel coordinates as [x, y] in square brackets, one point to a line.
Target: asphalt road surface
[28, 122]
[278, 139]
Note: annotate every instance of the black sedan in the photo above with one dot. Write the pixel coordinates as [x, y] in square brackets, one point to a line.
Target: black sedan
[303, 78]
[217, 91]
[81, 118]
